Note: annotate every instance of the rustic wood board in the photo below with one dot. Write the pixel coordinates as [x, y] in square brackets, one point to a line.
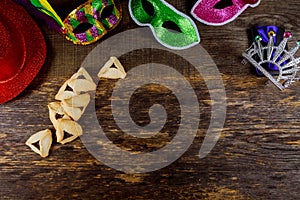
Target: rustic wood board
[257, 156]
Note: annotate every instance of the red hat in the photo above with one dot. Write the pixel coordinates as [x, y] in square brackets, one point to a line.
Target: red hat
[22, 50]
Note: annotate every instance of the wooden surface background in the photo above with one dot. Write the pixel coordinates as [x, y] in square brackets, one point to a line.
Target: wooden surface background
[257, 157]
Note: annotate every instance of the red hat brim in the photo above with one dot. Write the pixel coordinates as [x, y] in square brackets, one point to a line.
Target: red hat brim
[31, 42]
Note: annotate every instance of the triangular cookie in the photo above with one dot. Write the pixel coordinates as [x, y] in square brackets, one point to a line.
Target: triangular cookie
[69, 126]
[45, 140]
[108, 71]
[75, 106]
[80, 82]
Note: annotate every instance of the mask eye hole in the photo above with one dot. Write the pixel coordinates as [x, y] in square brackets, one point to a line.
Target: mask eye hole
[171, 26]
[148, 7]
[107, 11]
[83, 27]
[223, 4]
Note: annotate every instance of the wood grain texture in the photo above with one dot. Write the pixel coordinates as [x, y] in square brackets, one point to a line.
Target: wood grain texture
[257, 156]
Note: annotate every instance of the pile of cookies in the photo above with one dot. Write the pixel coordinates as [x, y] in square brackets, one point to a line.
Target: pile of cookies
[72, 100]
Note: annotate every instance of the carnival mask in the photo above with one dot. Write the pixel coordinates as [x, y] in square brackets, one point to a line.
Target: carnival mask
[170, 27]
[220, 12]
[85, 24]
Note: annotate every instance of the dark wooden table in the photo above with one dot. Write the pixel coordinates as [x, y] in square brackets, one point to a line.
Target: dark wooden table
[257, 157]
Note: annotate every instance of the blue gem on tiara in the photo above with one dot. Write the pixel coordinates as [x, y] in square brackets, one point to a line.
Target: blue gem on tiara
[284, 59]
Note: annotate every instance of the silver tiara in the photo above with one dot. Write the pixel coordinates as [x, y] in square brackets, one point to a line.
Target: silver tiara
[280, 56]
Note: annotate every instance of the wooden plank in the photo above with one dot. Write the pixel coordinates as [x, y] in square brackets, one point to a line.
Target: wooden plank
[257, 156]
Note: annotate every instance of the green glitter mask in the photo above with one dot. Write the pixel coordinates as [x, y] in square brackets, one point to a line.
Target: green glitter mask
[170, 27]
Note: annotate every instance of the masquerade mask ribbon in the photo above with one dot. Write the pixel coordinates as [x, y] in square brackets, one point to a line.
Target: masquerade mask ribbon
[45, 7]
[220, 12]
[170, 27]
